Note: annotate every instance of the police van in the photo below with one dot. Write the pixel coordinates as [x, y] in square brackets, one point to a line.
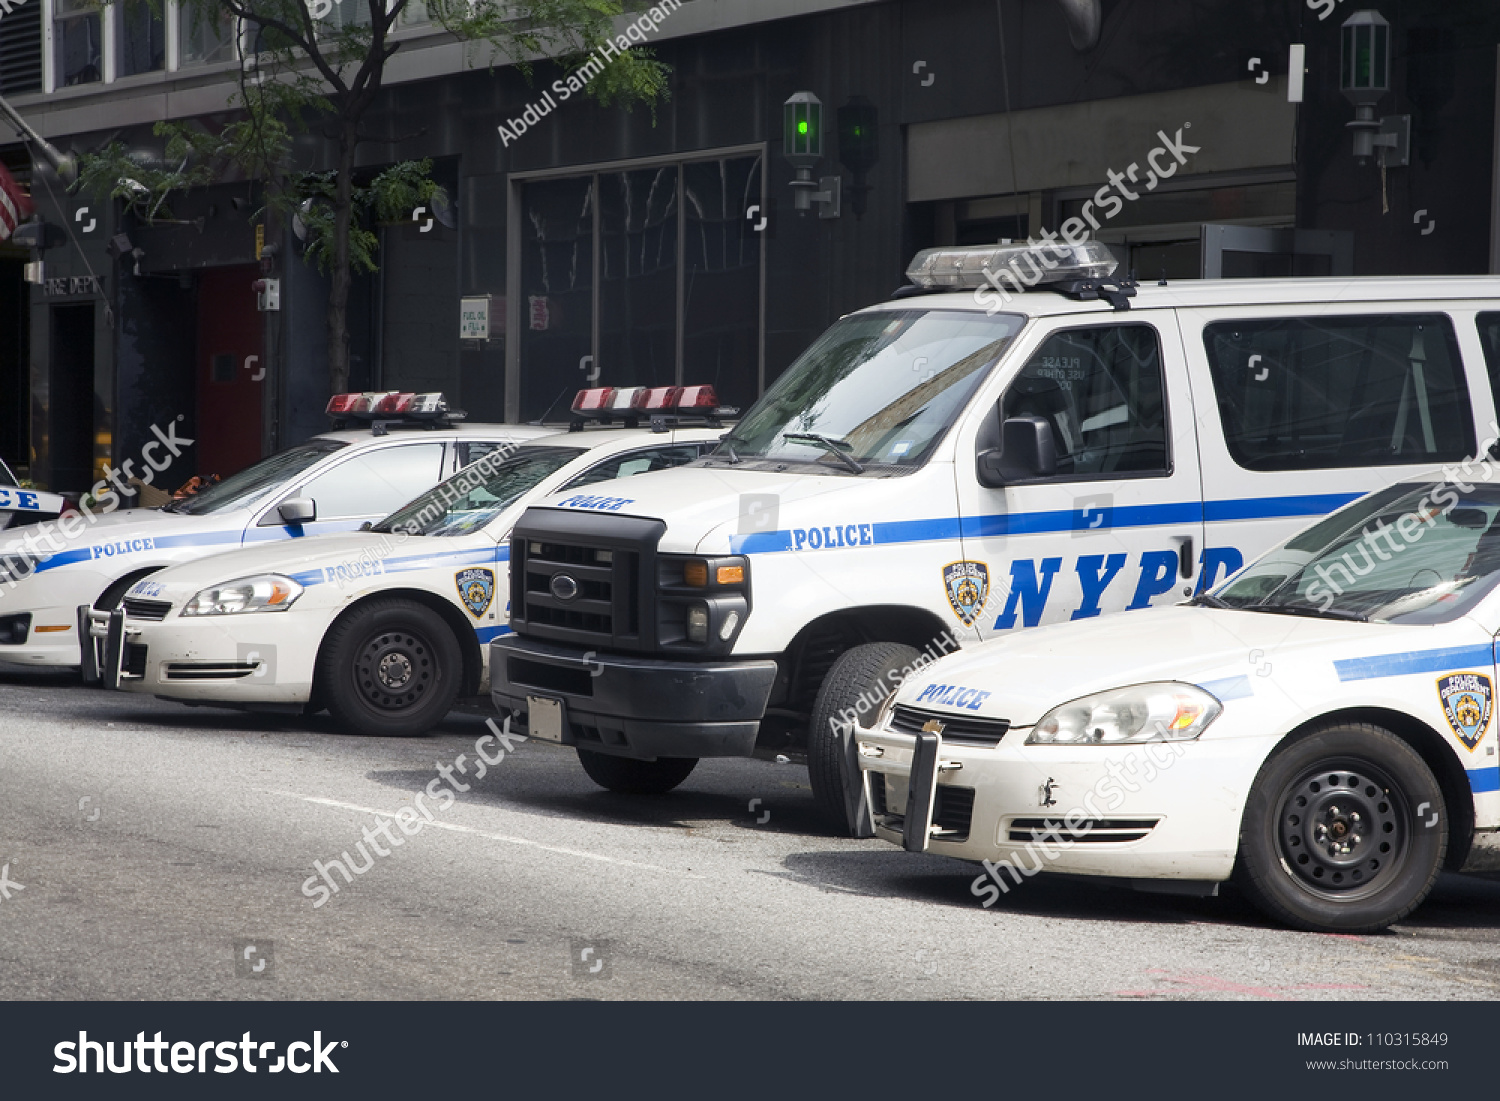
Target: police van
[53, 575]
[387, 627]
[1016, 439]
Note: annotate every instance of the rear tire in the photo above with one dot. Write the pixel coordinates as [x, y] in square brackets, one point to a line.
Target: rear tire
[629, 776]
[859, 683]
[390, 668]
[1332, 839]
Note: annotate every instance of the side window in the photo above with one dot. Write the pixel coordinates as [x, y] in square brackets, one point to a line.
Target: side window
[1316, 393]
[1489, 336]
[376, 483]
[471, 451]
[635, 462]
[1101, 389]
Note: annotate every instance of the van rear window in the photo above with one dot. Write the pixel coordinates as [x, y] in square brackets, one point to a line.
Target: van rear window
[1318, 393]
[1489, 336]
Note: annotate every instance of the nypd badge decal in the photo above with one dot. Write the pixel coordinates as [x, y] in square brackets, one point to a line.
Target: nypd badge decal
[1467, 701]
[968, 586]
[476, 588]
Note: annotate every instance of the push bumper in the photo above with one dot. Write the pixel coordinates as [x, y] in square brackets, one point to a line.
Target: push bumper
[630, 706]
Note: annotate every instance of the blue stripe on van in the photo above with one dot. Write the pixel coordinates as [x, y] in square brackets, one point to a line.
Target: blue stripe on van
[1484, 779]
[1416, 661]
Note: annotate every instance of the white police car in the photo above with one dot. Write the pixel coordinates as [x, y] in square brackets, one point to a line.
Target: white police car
[1322, 725]
[53, 574]
[962, 462]
[385, 628]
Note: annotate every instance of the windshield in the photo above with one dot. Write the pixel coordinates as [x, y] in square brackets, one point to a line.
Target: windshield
[249, 486]
[1409, 554]
[459, 505]
[877, 388]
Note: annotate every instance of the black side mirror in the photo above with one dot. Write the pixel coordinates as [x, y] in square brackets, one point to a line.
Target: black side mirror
[1026, 452]
[298, 510]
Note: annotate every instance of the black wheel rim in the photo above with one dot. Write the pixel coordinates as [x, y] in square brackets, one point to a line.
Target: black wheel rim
[395, 670]
[1343, 829]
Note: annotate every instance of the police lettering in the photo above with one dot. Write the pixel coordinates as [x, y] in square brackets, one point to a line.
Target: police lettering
[831, 538]
[603, 504]
[125, 546]
[953, 695]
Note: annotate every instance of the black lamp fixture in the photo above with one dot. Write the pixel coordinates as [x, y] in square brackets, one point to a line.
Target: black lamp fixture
[1365, 78]
[859, 146]
[802, 144]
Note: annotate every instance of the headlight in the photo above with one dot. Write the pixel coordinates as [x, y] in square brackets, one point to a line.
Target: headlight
[1164, 712]
[267, 592]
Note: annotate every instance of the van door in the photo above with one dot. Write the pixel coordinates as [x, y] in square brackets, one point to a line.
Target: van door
[1120, 523]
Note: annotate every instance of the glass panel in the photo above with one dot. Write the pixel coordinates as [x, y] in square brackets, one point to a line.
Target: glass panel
[1489, 337]
[557, 291]
[77, 37]
[141, 39]
[638, 285]
[377, 483]
[244, 489]
[634, 462]
[457, 509]
[721, 252]
[1324, 392]
[204, 35]
[1101, 391]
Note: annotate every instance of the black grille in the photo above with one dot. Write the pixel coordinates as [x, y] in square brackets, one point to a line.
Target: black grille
[133, 660]
[952, 813]
[1093, 831]
[209, 670]
[155, 610]
[957, 729]
[584, 579]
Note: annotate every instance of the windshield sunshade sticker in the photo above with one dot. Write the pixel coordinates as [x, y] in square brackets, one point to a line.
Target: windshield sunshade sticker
[1419, 661]
[968, 586]
[1468, 699]
[476, 588]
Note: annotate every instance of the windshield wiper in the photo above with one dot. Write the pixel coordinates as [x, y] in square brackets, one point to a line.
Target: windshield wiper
[1308, 610]
[1209, 600]
[734, 459]
[836, 448]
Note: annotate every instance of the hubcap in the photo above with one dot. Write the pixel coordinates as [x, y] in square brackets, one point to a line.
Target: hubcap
[1342, 829]
[395, 670]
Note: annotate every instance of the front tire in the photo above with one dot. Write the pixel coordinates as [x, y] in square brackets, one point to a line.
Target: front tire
[390, 668]
[1344, 831]
[858, 685]
[629, 776]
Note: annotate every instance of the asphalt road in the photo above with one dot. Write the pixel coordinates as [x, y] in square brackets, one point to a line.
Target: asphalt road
[153, 843]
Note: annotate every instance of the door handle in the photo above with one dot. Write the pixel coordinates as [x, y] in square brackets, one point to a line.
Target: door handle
[1185, 556]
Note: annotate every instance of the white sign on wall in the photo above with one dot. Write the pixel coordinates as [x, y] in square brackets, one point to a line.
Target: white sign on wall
[474, 319]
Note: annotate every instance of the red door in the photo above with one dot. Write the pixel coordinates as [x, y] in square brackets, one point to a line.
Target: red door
[230, 370]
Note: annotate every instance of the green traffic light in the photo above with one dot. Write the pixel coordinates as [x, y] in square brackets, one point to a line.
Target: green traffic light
[802, 126]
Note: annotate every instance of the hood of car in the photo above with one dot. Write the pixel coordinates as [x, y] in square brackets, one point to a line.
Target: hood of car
[1023, 676]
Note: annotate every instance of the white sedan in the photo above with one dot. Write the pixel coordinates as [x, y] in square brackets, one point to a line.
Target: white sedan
[1320, 728]
[387, 627]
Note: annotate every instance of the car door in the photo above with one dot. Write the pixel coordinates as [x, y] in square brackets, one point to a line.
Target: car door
[1119, 524]
[362, 487]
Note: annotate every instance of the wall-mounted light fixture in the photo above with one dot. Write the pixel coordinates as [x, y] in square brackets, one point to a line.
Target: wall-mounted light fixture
[802, 143]
[1365, 78]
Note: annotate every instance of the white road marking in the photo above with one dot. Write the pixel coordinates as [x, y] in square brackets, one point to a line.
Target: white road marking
[491, 836]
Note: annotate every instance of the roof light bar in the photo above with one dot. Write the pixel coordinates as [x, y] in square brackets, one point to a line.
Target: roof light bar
[393, 406]
[1015, 267]
[632, 403]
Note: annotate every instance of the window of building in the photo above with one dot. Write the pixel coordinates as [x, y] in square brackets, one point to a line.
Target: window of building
[1101, 391]
[140, 39]
[21, 48]
[77, 39]
[203, 35]
[1316, 393]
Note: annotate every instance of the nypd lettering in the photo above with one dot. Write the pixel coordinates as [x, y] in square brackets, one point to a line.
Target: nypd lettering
[476, 588]
[599, 504]
[831, 538]
[1467, 699]
[124, 546]
[953, 695]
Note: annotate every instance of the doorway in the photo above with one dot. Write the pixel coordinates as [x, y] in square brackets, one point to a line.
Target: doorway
[230, 370]
[71, 398]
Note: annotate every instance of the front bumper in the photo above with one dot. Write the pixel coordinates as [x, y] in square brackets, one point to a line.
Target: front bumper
[210, 660]
[1148, 811]
[633, 706]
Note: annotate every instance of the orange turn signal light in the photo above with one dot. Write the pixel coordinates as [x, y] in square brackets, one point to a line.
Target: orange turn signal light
[731, 575]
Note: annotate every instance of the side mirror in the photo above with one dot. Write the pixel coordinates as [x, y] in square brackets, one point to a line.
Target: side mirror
[298, 510]
[1026, 452]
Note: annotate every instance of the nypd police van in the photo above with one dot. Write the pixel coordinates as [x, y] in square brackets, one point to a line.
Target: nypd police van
[969, 459]
[386, 627]
[52, 575]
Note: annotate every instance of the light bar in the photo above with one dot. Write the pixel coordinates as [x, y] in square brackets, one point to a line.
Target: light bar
[341, 405]
[1014, 265]
[625, 398]
[698, 397]
[394, 405]
[660, 399]
[593, 401]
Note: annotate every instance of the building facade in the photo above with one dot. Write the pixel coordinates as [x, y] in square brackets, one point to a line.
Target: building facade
[612, 247]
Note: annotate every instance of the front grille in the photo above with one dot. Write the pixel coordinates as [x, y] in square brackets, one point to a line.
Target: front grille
[1091, 831]
[133, 660]
[585, 579]
[207, 670]
[155, 610]
[957, 729]
[952, 813]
